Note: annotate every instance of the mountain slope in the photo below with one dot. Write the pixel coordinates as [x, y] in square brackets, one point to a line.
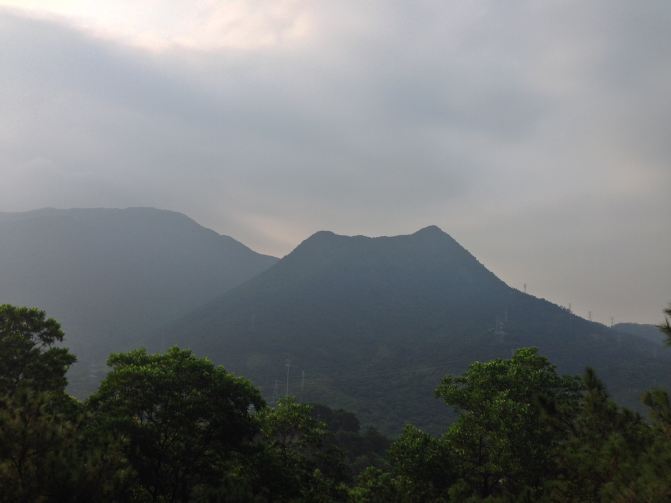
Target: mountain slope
[650, 333]
[111, 276]
[376, 322]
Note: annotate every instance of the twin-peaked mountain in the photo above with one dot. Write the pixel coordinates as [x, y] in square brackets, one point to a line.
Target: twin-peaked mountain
[112, 276]
[372, 324]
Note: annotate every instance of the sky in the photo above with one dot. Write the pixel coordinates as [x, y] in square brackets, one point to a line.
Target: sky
[537, 134]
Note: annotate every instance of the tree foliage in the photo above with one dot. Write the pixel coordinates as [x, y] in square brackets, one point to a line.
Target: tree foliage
[501, 439]
[666, 326]
[46, 453]
[181, 417]
[29, 357]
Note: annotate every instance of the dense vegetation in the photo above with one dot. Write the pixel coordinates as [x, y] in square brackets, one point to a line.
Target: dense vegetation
[173, 427]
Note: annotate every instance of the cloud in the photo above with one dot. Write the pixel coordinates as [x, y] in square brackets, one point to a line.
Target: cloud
[535, 133]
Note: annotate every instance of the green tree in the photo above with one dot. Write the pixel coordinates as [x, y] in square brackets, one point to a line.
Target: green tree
[184, 421]
[300, 461]
[34, 410]
[601, 451]
[361, 448]
[29, 357]
[33, 436]
[376, 485]
[502, 442]
[612, 454]
[666, 325]
[422, 466]
[48, 454]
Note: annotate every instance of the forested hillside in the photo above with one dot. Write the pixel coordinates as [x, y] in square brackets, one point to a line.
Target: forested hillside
[372, 324]
[650, 333]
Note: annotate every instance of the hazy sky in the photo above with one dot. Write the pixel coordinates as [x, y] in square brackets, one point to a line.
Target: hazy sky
[538, 134]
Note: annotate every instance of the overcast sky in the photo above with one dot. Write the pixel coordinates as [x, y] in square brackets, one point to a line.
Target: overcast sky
[538, 134]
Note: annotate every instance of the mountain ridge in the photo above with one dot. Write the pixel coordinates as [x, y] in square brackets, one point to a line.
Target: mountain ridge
[111, 275]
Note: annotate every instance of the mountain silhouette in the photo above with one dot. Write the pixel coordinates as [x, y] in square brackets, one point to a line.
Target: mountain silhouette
[111, 276]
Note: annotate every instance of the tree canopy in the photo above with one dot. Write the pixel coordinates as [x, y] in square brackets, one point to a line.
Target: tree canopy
[181, 416]
[29, 355]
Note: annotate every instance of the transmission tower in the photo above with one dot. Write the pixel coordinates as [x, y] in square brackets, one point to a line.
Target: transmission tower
[276, 390]
[288, 364]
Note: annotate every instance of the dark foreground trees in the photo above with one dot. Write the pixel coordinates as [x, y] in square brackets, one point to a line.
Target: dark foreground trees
[29, 355]
[502, 446]
[182, 421]
[36, 417]
[525, 433]
[162, 428]
[175, 427]
[502, 442]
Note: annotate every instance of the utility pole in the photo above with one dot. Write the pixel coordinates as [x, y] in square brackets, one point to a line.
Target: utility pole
[302, 382]
[570, 318]
[288, 364]
[525, 288]
[589, 315]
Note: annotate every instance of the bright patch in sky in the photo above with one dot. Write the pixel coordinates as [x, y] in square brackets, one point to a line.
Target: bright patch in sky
[195, 24]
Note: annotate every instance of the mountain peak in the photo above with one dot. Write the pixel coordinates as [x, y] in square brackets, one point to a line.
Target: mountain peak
[322, 235]
[430, 229]
[428, 240]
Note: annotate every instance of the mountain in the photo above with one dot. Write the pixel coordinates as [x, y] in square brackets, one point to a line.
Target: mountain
[651, 333]
[113, 275]
[372, 324]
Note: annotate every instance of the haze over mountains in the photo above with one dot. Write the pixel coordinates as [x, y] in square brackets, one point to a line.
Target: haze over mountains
[372, 324]
[368, 324]
[111, 276]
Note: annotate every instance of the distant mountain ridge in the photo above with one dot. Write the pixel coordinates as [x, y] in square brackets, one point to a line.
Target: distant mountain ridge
[113, 275]
[372, 324]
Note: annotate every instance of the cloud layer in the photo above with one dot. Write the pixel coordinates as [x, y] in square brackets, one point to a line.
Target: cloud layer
[536, 134]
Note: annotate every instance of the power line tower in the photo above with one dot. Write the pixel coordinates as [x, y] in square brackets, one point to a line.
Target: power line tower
[499, 329]
[276, 390]
[288, 364]
[570, 318]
